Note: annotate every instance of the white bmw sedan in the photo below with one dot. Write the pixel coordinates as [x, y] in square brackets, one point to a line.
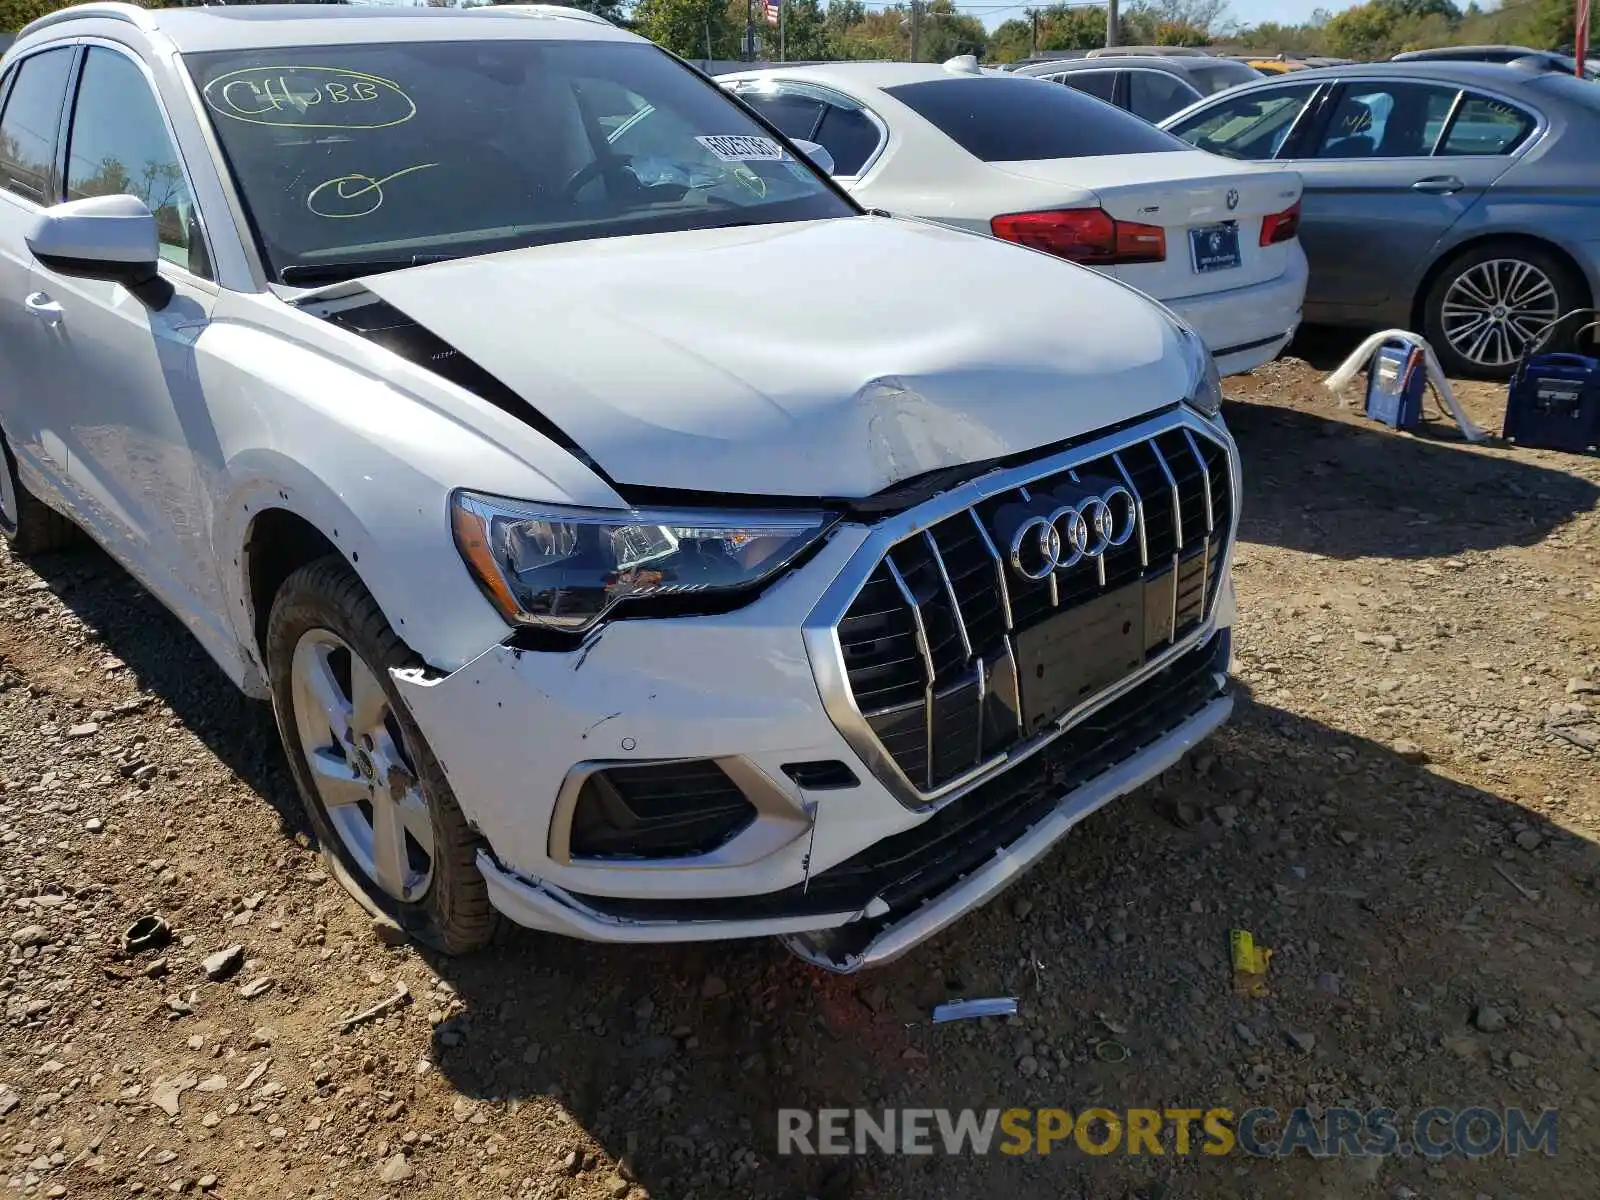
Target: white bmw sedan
[635, 538]
[1052, 168]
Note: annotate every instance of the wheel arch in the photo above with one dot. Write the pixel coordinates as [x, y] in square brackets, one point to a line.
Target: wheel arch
[1449, 255]
[393, 536]
[277, 543]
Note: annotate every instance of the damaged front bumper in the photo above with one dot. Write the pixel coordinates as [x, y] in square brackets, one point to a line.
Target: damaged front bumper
[557, 758]
[873, 935]
[865, 880]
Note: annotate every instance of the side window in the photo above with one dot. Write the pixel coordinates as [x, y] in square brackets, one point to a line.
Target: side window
[1154, 95]
[28, 127]
[795, 116]
[1485, 126]
[850, 136]
[1396, 120]
[1251, 126]
[1100, 84]
[119, 145]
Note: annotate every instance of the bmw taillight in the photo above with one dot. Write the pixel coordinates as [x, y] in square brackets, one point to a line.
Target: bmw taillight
[1282, 226]
[1084, 235]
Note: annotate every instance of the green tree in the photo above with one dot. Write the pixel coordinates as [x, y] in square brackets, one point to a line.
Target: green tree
[14, 14]
[1063, 28]
[1272, 38]
[1012, 40]
[947, 33]
[1203, 16]
[884, 34]
[685, 26]
[805, 31]
[842, 14]
[1365, 32]
[1423, 8]
[1546, 24]
[1177, 33]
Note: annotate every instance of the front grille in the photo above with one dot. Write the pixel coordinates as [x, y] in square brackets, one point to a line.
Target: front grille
[946, 648]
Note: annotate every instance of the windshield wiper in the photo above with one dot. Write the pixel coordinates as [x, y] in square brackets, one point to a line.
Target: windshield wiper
[303, 274]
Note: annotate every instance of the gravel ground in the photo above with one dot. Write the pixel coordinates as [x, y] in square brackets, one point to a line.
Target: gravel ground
[1405, 808]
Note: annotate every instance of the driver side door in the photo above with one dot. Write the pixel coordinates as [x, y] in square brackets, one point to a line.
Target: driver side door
[123, 378]
[35, 90]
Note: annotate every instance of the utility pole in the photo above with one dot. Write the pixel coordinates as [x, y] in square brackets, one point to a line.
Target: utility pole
[1580, 40]
[1111, 22]
[916, 29]
[783, 30]
[1033, 42]
[749, 30]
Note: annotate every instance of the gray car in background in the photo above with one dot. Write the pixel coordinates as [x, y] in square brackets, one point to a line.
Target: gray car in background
[1458, 199]
[1551, 60]
[1148, 86]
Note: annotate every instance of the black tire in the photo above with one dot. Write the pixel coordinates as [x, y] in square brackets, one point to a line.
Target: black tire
[1570, 293]
[454, 915]
[35, 528]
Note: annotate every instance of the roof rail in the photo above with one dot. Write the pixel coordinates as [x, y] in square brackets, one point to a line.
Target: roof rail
[130, 13]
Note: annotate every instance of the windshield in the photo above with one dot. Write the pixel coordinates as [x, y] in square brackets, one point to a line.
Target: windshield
[364, 157]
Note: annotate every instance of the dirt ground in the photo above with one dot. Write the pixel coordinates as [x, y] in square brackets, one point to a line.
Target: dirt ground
[1406, 808]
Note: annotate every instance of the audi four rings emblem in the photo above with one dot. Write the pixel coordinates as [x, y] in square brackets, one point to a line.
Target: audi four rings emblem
[1233, 199]
[1070, 533]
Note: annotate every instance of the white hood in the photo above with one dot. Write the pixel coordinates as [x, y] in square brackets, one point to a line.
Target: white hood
[826, 359]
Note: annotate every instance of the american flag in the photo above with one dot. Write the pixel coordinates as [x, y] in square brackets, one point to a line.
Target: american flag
[774, 9]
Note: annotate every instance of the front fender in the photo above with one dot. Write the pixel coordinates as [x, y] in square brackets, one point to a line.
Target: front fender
[399, 547]
[369, 465]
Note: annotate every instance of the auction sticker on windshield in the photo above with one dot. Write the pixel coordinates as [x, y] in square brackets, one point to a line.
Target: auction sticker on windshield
[743, 148]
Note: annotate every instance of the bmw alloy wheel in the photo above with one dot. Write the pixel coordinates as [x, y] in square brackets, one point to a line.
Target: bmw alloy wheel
[355, 751]
[1494, 310]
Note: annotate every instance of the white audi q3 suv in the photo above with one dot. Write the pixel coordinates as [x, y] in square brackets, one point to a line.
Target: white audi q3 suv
[636, 539]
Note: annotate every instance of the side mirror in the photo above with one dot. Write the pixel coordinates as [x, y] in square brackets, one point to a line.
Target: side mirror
[103, 237]
[820, 158]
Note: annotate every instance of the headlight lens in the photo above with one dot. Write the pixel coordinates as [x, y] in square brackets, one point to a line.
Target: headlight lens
[566, 568]
[1205, 383]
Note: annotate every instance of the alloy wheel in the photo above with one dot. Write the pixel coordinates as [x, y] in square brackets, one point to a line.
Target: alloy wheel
[355, 750]
[1494, 310]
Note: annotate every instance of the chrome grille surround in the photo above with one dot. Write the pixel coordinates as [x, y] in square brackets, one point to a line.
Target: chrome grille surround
[915, 526]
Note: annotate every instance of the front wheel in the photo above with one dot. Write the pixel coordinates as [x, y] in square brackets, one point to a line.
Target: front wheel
[376, 796]
[28, 523]
[1492, 303]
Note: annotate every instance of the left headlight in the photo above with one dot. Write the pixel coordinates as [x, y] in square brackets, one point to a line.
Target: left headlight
[566, 568]
[1205, 382]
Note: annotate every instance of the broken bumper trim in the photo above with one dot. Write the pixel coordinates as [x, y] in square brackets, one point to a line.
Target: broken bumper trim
[544, 907]
[550, 909]
[1011, 862]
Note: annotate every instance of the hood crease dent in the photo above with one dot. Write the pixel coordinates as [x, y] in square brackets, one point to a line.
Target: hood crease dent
[746, 361]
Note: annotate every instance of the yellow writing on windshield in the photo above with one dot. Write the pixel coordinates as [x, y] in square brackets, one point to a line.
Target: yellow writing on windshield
[309, 98]
[353, 195]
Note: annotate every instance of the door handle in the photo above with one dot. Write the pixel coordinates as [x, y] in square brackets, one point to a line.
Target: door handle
[41, 306]
[1438, 185]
